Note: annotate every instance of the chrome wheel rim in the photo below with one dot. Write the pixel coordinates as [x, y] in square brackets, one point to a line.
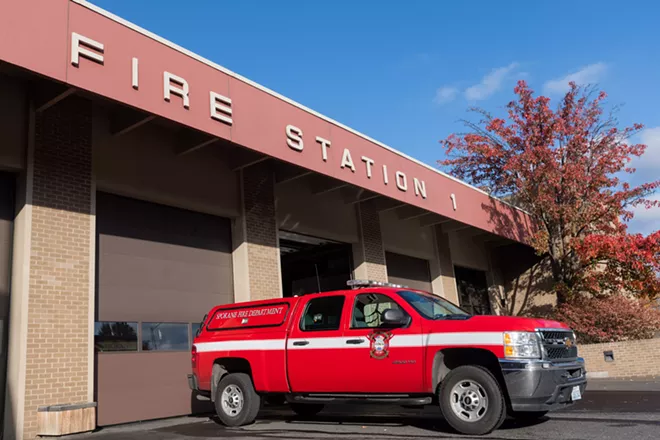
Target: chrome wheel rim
[469, 401]
[232, 400]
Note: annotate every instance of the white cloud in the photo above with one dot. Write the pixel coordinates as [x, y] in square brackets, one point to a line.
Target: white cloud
[645, 220]
[445, 94]
[490, 83]
[651, 157]
[587, 75]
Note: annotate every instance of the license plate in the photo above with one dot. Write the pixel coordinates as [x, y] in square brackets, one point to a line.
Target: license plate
[576, 394]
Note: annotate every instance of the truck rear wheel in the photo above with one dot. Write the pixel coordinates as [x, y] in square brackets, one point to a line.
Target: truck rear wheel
[472, 401]
[307, 409]
[236, 401]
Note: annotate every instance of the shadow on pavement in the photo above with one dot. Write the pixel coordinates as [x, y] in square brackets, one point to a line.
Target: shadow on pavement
[300, 427]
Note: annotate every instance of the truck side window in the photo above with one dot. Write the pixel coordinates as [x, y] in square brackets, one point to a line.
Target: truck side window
[368, 309]
[322, 314]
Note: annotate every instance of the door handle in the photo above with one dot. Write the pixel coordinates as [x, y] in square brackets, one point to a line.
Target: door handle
[355, 341]
[300, 343]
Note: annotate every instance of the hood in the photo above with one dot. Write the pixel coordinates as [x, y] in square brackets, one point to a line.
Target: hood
[498, 323]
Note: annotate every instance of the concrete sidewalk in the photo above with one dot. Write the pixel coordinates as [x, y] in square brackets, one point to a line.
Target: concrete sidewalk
[634, 384]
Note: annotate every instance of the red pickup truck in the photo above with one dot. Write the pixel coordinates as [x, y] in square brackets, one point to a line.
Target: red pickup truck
[379, 343]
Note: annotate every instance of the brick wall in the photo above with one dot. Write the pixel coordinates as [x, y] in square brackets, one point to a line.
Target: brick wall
[631, 359]
[261, 232]
[58, 321]
[369, 254]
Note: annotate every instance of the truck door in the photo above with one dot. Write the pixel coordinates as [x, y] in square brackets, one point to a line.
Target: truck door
[315, 338]
[388, 360]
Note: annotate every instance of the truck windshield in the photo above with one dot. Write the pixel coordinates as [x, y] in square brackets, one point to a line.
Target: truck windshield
[433, 307]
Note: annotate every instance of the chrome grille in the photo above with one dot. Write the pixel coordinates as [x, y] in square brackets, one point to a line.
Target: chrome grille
[558, 344]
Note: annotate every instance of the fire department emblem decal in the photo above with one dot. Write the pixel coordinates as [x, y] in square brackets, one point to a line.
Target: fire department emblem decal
[380, 344]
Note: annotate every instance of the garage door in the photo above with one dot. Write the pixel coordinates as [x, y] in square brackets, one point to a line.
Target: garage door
[160, 269]
[6, 235]
[408, 271]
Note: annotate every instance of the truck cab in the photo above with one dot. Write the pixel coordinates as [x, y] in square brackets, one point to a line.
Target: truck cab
[381, 343]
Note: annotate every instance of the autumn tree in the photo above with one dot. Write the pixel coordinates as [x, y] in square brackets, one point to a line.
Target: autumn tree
[566, 167]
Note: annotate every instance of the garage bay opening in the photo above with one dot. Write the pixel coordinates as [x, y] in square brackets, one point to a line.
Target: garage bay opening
[312, 264]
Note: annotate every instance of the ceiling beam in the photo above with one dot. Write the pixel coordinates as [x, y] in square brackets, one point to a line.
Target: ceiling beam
[244, 159]
[410, 212]
[353, 195]
[46, 99]
[454, 226]
[329, 187]
[386, 204]
[189, 141]
[122, 123]
[289, 173]
[432, 219]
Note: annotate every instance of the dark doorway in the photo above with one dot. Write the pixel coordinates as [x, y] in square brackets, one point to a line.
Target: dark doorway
[408, 271]
[472, 290]
[311, 264]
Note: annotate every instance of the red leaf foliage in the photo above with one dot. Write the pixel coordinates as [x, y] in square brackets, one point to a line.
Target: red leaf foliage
[564, 167]
[610, 319]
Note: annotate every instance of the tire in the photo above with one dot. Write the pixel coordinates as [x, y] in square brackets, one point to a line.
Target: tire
[472, 391]
[307, 409]
[236, 401]
[528, 415]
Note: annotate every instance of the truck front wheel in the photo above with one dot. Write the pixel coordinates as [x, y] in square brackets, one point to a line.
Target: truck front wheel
[472, 401]
[236, 401]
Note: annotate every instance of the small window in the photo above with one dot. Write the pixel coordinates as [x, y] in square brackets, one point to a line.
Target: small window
[115, 336]
[163, 336]
[323, 314]
[368, 309]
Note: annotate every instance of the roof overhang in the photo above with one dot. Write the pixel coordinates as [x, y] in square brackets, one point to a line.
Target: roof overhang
[87, 48]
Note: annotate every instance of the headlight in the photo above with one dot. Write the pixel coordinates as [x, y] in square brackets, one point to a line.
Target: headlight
[522, 345]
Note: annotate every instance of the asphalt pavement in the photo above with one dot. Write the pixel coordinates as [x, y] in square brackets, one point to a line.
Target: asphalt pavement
[602, 415]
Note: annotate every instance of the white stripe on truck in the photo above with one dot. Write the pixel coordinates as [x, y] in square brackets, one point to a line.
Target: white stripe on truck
[241, 345]
[324, 343]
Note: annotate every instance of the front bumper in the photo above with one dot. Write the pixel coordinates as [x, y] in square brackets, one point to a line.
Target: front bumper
[537, 385]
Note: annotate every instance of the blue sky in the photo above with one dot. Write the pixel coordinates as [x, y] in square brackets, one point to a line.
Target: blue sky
[405, 72]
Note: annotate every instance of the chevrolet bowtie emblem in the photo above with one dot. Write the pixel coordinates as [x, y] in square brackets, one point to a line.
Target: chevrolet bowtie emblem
[568, 342]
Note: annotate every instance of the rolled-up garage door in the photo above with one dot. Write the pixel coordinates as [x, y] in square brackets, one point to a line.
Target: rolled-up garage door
[408, 271]
[160, 269]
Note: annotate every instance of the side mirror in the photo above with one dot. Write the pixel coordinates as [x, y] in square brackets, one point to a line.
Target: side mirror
[394, 318]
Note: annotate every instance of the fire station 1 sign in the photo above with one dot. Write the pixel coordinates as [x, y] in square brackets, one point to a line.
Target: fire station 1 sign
[220, 110]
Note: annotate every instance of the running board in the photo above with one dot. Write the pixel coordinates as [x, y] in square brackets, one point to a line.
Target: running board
[397, 399]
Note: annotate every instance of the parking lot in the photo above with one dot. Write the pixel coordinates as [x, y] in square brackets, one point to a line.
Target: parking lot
[602, 415]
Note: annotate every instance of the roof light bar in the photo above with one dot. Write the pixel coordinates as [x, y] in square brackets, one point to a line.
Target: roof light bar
[356, 284]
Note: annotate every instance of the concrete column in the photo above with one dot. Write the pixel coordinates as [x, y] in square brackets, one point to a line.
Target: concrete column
[257, 252]
[442, 268]
[53, 268]
[369, 252]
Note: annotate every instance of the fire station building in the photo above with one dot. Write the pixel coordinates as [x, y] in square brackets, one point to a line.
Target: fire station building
[141, 184]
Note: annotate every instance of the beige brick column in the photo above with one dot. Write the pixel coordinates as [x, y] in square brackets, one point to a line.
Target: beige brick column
[256, 248]
[57, 362]
[369, 253]
[442, 268]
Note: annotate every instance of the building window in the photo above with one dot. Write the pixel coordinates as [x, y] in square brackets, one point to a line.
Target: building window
[323, 314]
[368, 309]
[164, 336]
[472, 290]
[115, 336]
[195, 328]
